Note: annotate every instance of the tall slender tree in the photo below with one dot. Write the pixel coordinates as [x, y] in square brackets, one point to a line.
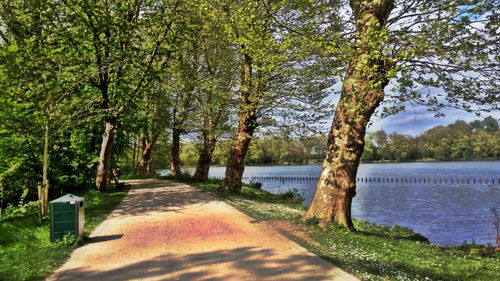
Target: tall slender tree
[154, 123]
[269, 61]
[215, 92]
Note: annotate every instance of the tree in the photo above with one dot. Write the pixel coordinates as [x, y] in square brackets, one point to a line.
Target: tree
[370, 150]
[382, 144]
[401, 147]
[421, 44]
[39, 78]
[180, 84]
[155, 120]
[116, 46]
[209, 60]
[277, 75]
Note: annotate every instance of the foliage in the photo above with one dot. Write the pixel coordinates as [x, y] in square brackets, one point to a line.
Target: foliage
[293, 195]
[312, 221]
[255, 184]
[477, 140]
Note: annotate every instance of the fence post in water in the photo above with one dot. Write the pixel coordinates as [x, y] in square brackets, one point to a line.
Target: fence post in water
[480, 181]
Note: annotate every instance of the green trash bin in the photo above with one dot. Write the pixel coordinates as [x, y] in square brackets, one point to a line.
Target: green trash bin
[66, 216]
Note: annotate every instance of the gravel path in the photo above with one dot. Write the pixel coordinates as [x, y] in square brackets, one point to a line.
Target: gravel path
[170, 231]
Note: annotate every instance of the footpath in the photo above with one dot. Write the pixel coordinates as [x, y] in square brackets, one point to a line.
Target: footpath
[165, 230]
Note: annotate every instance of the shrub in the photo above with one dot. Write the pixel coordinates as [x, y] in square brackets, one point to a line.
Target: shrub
[255, 184]
[293, 195]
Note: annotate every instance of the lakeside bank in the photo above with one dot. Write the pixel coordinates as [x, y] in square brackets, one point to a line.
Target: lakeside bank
[375, 252]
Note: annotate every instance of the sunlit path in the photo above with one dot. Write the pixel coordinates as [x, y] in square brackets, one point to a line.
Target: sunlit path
[170, 231]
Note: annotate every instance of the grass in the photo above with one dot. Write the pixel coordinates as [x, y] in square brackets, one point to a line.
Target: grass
[375, 252]
[26, 252]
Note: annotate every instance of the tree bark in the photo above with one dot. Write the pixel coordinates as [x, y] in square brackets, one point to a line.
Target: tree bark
[145, 164]
[105, 154]
[43, 189]
[205, 159]
[175, 160]
[247, 122]
[362, 92]
[147, 148]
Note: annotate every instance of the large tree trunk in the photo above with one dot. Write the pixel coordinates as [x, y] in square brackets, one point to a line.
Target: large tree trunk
[205, 159]
[105, 155]
[236, 161]
[175, 160]
[247, 122]
[362, 92]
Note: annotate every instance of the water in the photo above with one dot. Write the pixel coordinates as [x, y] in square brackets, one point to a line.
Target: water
[447, 214]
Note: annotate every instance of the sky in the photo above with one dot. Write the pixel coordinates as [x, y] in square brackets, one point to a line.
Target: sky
[415, 120]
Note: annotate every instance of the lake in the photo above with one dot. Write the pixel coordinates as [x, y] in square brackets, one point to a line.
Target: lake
[447, 213]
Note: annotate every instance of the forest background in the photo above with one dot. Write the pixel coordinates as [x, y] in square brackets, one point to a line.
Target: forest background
[88, 88]
[459, 141]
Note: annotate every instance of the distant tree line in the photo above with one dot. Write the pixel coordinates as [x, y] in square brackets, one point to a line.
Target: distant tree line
[276, 150]
[477, 140]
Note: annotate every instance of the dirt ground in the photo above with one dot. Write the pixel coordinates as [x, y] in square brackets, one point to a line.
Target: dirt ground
[170, 231]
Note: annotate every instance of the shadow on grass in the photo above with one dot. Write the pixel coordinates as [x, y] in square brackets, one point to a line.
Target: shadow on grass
[413, 237]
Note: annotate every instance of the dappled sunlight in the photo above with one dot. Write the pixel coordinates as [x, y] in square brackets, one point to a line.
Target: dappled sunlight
[242, 263]
[143, 199]
[170, 231]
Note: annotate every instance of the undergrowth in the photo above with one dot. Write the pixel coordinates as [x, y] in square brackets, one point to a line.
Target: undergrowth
[26, 252]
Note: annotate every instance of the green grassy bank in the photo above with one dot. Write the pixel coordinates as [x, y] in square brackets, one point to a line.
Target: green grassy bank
[375, 252]
[25, 249]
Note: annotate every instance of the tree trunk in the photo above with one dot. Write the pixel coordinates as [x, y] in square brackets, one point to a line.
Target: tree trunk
[145, 165]
[362, 92]
[147, 148]
[205, 159]
[236, 161]
[175, 160]
[247, 122]
[43, 190]
[105, 155]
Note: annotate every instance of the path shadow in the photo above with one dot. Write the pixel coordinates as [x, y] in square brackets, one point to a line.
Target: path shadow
[102, 238]
[159, 196]
[243, 263]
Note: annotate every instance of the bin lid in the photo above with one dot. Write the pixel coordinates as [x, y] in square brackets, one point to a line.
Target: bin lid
[67, 198]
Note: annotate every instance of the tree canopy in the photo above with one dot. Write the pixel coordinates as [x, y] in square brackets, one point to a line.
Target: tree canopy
[86, 87]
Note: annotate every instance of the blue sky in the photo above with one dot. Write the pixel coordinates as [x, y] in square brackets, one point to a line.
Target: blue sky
[415, 120]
